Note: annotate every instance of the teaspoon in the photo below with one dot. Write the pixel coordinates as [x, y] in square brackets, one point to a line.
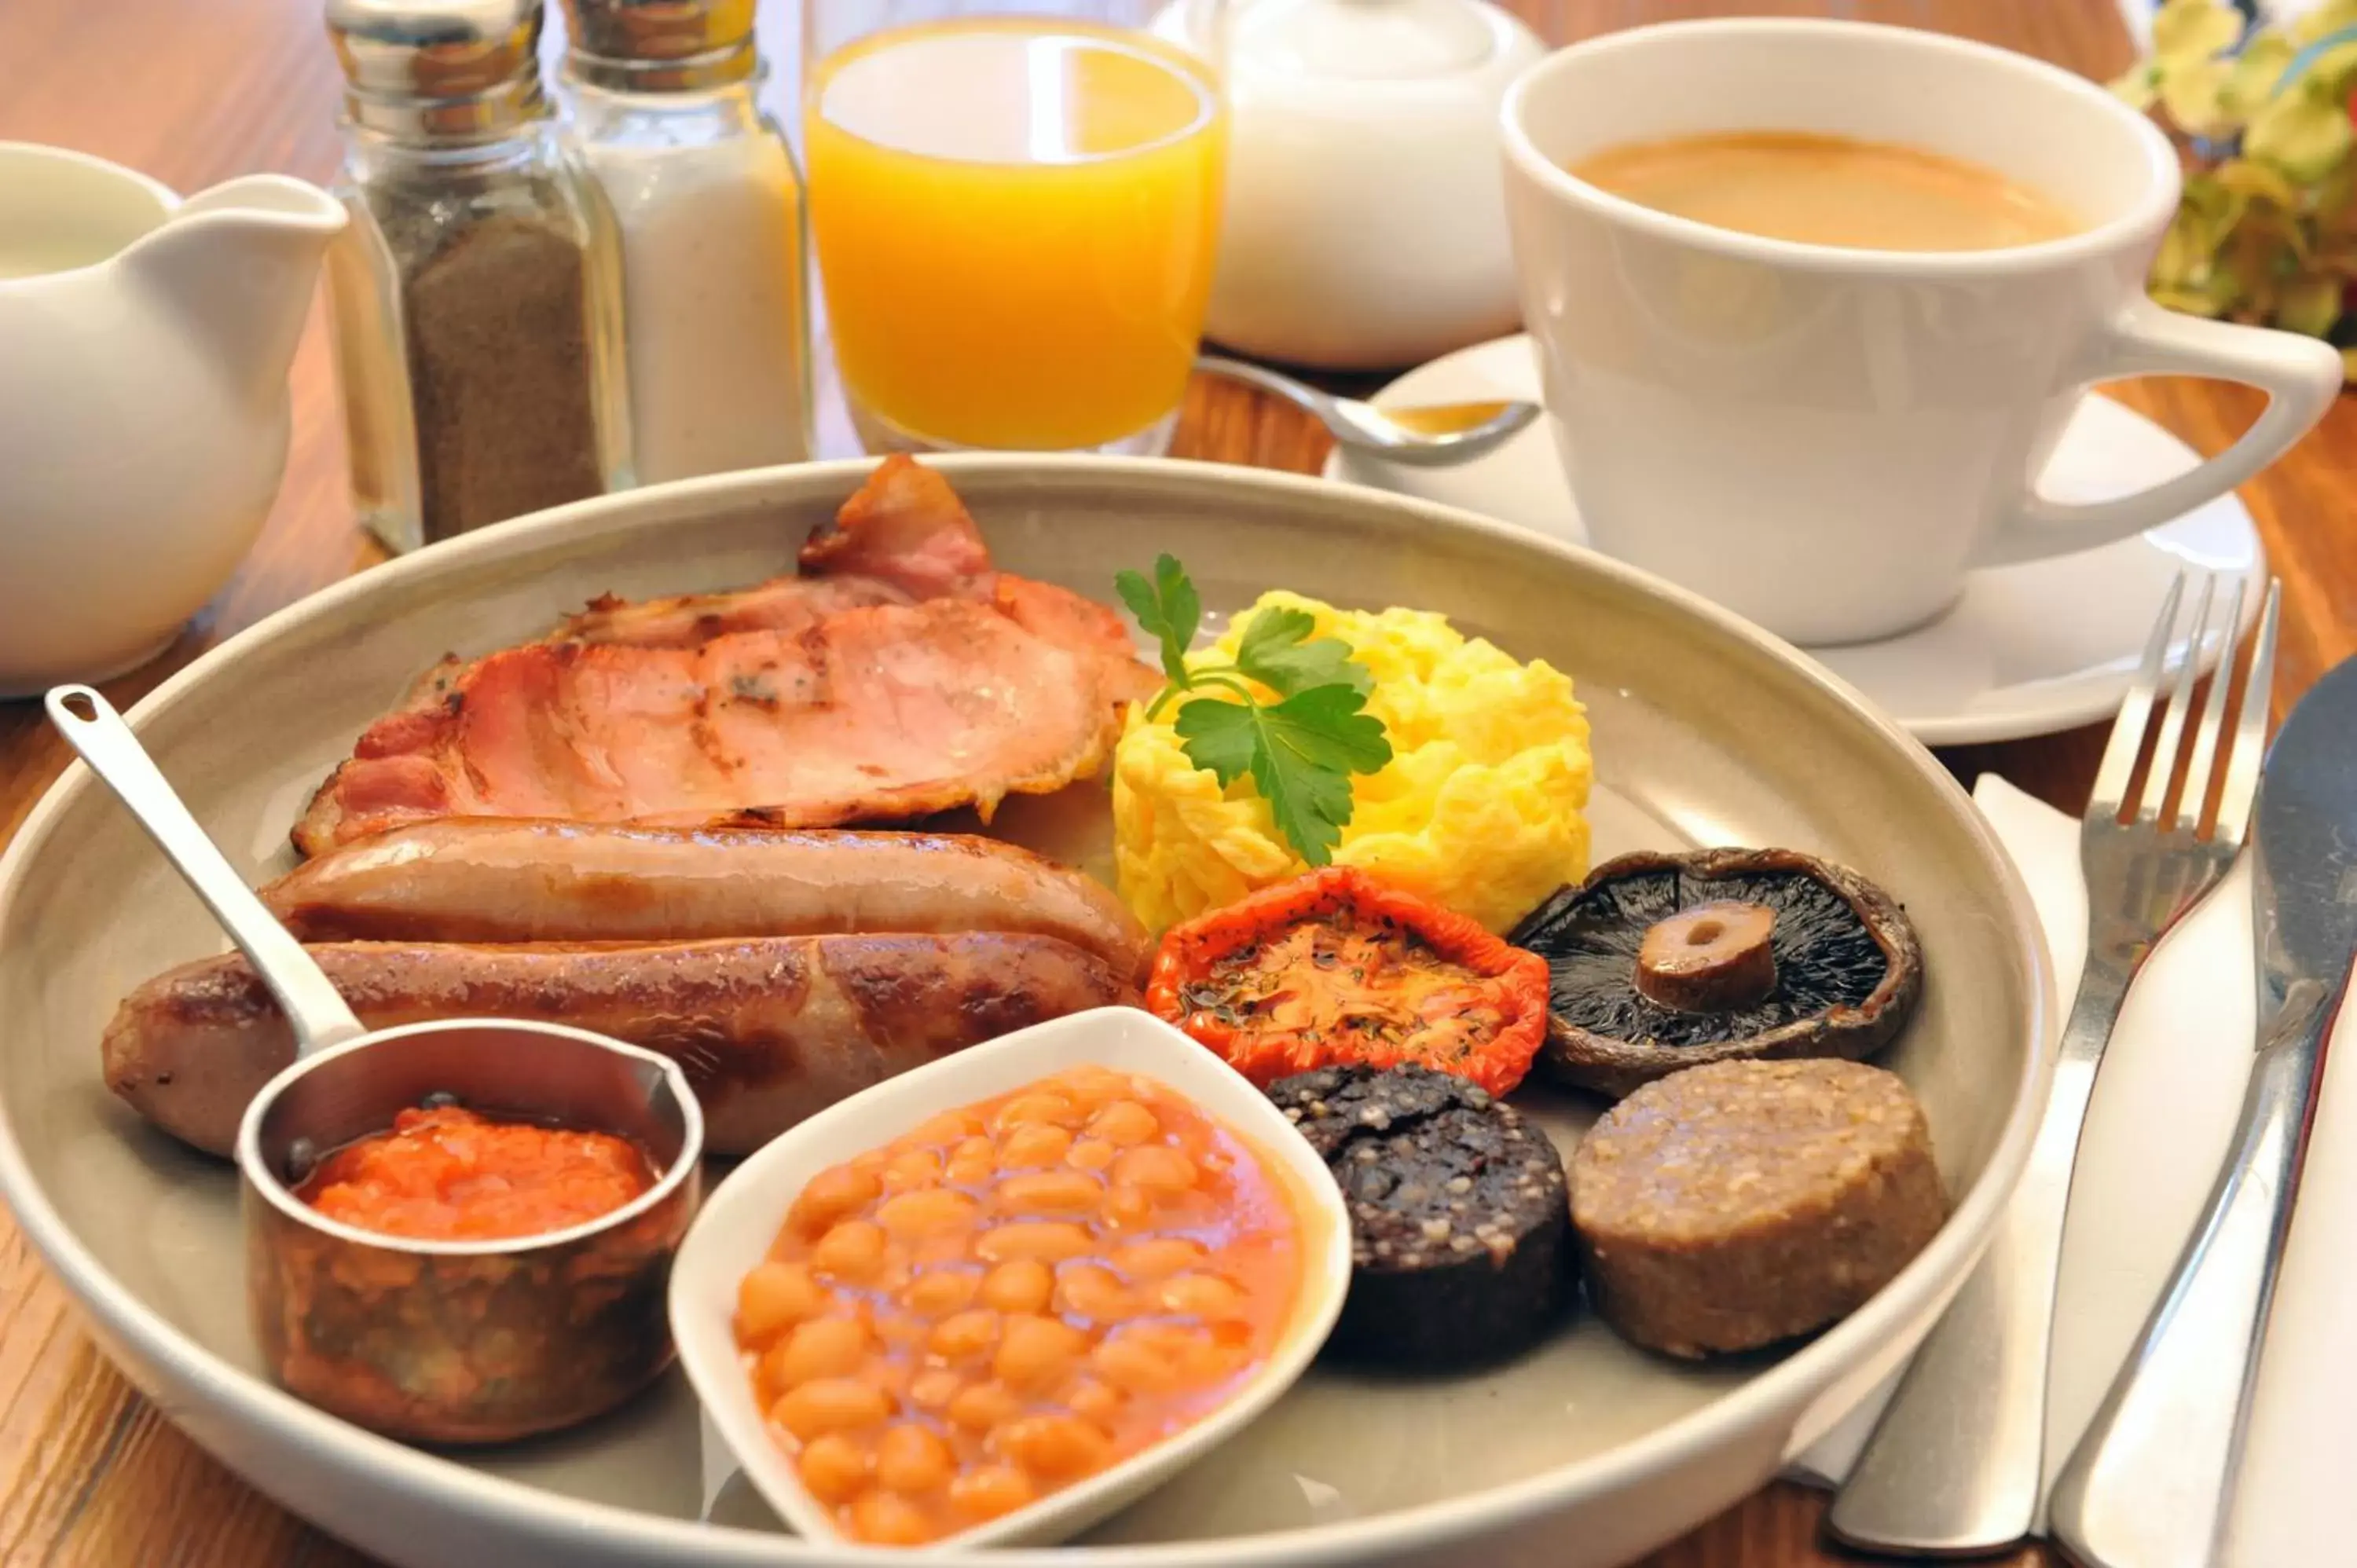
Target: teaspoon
[1431, 435]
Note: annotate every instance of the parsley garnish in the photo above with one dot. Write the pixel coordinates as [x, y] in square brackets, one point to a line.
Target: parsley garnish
[1301, 749]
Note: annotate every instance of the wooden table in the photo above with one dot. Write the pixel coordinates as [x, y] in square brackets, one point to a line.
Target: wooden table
[90, 1474]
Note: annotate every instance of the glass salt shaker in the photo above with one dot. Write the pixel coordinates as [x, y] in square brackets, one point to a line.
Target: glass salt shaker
[476, 296]
[709, 206]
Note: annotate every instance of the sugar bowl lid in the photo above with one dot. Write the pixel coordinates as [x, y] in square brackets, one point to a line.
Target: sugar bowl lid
[1361, 40]
[1346, 43]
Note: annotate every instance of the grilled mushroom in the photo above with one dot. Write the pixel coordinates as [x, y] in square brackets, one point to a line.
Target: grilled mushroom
[1665, 962]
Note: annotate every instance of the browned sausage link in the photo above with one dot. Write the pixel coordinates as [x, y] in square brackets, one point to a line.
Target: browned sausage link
[498, 880]
[770, 1029]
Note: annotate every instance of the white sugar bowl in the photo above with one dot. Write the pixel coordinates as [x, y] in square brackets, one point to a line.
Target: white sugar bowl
[1366, 222]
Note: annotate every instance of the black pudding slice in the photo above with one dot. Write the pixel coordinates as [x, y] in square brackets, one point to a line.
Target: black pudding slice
[1458, 1214]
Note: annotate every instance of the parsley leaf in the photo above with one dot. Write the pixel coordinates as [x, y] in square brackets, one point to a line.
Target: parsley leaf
[1301, 749]
[1167, 609]
[1300, 752]
[1277, 651]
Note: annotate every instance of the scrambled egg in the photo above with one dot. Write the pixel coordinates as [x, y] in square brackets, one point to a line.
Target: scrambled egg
[1481, 808]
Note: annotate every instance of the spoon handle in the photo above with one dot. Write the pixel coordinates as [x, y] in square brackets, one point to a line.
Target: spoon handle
[90, 724]
[1306, 398]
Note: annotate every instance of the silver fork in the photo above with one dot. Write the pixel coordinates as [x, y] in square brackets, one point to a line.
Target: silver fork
[1956, 1465]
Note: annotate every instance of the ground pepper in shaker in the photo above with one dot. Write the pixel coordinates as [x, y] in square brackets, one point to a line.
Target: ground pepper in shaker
[709, 206]
[476, 297]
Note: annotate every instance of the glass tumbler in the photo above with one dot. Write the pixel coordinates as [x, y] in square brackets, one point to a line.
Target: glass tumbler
[1015, 206]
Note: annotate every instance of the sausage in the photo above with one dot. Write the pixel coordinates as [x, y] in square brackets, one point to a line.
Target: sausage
[770, 1029]
[504, 880]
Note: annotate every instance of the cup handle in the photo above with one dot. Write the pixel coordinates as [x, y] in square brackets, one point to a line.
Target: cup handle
[2300, 376]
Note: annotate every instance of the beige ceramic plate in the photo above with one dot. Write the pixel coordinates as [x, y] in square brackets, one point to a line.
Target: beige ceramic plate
[1583, 1455]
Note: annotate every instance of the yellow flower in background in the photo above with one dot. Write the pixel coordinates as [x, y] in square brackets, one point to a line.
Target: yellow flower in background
[2266, 232]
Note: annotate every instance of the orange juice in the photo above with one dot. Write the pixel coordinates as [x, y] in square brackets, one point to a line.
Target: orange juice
[1014, 222]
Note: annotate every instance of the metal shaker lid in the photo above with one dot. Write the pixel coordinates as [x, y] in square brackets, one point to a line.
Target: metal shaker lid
[660, 46]
[446, 69]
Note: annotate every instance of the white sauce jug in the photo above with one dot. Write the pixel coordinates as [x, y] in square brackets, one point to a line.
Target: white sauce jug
[1365, 224]
[143, 348]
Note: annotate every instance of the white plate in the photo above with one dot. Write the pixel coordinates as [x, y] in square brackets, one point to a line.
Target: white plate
[2029, 649]
[1582, 1453]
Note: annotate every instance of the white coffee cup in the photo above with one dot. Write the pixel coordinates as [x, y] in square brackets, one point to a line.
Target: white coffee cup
[1826, 440]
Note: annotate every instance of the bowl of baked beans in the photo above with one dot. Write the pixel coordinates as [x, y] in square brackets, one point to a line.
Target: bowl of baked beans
[994, 1299]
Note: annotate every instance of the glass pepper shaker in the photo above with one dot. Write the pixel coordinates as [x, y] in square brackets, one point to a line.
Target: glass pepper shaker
[709, 208]
[476, 296]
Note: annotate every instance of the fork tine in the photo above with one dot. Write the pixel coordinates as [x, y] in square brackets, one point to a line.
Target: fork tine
[2135, 712]
[2183, 672]
[2213, 713]
[2251, 727]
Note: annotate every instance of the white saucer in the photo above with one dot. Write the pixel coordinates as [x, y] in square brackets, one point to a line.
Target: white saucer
[2027, 650]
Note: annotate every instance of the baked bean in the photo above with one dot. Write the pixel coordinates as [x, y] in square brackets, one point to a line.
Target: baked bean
[1092, 1291]
[1092, 1154]
[821, 1348]
[1157, 1257]
[831, 1195]
[1049, 1240]
[834, 1466]
[829, 1404]
[987, 1491]
[933, 1388]
[1035, 1353]
[1156, 1167]
[1129, 1208]
[925, 1211]
[1094, 1400]
[1051, 1192]
[853, 1250]
[1207, 1362]
[1189, 1354]
[1040, 1105]
[909, 1459]
[913, 1170]
[922, 1329]
[1200, 1295]
[888, 1519]
[979, 1407]
[940, 1292]
[1039, 1144]
[1134, 1366]
[973, 1162]
[774, 1296]
[945, 1128]
[1090, 1085]
[1051, 1444]
[1125, 1123]
[964, 1333]
[1021, 1284]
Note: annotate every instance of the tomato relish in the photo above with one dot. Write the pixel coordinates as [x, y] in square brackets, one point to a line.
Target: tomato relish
[447, 1174]
[1014, 1297]
[1335, 968]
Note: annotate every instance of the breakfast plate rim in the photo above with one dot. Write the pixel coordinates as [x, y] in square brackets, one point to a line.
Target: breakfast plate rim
[226, 1395]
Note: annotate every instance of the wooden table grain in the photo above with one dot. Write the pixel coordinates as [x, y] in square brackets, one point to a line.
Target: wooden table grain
[90, 1472]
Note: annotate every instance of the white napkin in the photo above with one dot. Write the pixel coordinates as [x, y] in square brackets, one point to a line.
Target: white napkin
[2164, 1109]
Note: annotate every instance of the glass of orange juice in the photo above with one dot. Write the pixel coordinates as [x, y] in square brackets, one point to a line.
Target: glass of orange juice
[1015, 209]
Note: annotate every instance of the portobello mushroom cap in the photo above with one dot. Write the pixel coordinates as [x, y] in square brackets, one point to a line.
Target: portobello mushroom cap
[1842, 974]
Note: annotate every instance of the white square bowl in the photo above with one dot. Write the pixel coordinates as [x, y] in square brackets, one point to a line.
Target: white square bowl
[742, 1217]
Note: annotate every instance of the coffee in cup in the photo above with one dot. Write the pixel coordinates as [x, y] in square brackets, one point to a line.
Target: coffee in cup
[1814, 300]
[1828, 190]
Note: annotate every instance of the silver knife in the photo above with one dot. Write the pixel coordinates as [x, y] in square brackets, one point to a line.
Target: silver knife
[2151, 1484]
